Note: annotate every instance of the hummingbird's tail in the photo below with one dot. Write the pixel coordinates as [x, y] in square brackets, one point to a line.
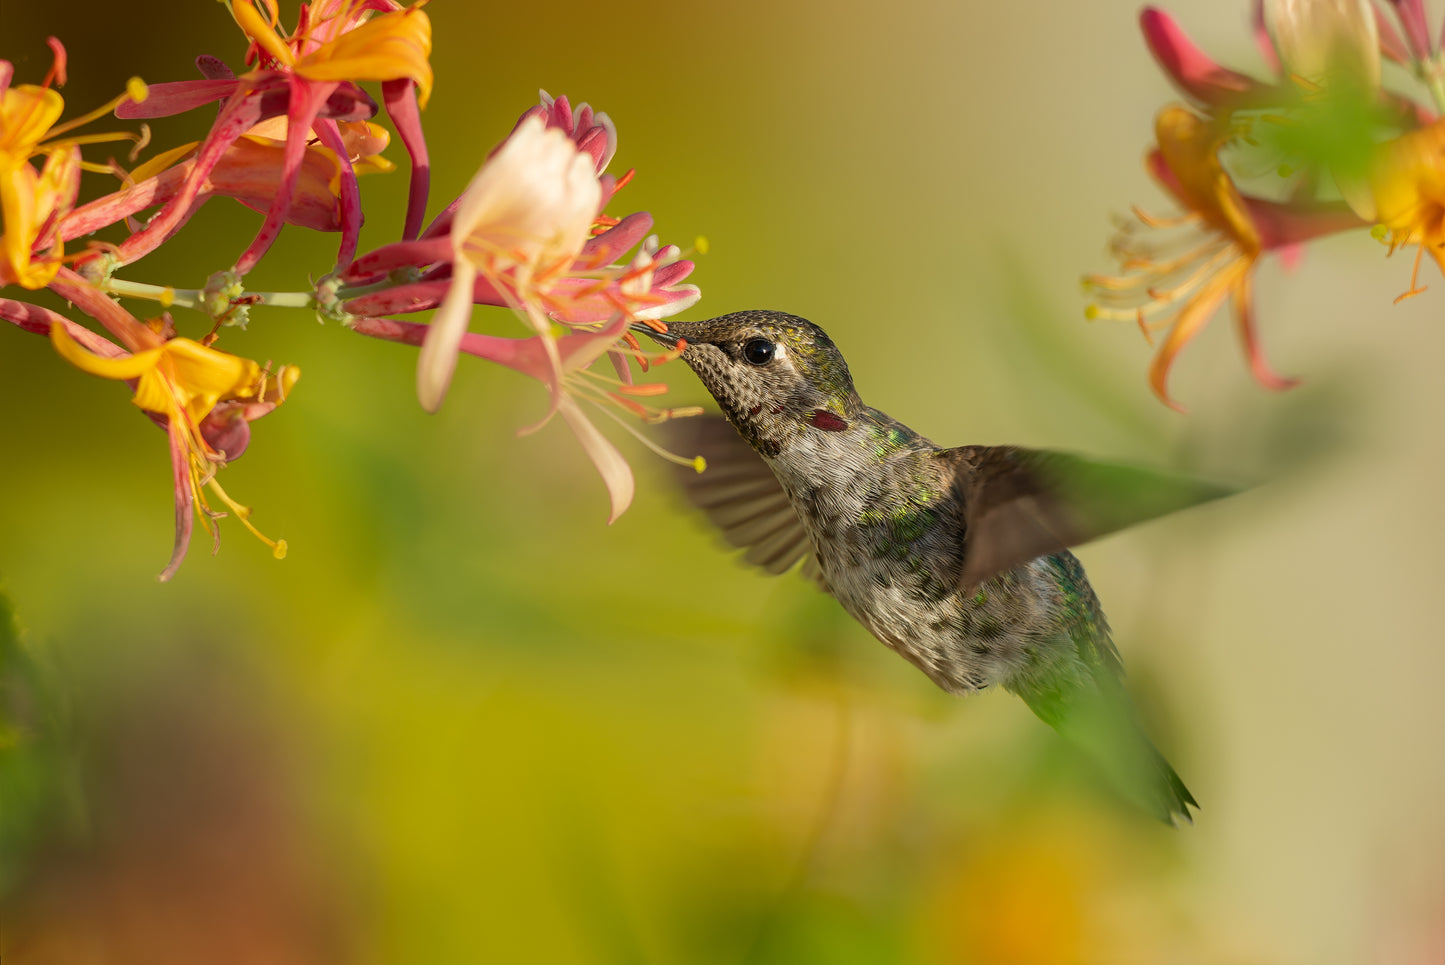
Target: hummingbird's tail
[1098, 717]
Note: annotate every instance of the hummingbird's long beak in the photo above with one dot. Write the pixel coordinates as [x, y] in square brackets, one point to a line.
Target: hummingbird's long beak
[666, 338]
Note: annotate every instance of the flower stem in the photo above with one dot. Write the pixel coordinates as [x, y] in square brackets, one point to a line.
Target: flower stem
[196, 298]
[1433, 74]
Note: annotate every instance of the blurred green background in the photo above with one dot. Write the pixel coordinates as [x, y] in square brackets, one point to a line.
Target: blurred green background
[467, 721]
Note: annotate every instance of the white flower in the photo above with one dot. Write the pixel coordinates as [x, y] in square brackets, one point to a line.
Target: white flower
[521, 223]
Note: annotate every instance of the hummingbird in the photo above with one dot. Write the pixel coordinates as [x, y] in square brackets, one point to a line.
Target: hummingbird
[955, 558]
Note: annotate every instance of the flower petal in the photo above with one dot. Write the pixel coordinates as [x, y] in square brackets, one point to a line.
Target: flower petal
[604, 455]
[1191, 69]
[1249, 334]
[1189, 323]
[183, 483]
[437, 360]
[392, 46]
[120, 369]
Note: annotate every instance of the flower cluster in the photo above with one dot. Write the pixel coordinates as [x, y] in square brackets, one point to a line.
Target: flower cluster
[1341, 150]
[292, 134]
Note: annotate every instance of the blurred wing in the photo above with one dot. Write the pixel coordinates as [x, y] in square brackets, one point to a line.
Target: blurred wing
[740, 494]
[1020, 504]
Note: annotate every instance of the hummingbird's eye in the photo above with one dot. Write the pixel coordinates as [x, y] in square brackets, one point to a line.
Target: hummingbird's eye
[758, 351]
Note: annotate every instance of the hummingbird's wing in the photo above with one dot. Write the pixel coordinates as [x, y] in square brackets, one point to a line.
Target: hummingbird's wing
[740, 494]
[1020, 504]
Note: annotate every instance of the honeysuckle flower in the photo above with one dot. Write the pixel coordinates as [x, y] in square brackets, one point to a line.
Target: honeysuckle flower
[1180, 285]
[592, 131]
[205, 400]
[529, 235]
[253, 99]
[1197, 75]
[307, 77]
[595, 289]
[32, 203]
[1326, 41]
[520, 224]
[1406, 196]
[247, 171]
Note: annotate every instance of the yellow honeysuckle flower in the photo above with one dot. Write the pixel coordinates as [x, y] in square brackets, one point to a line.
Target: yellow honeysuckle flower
[180, 376]
[390, 46]
[1406, 196]
[185, 382]
[1179, 284]
[31, 202]
[28, 198]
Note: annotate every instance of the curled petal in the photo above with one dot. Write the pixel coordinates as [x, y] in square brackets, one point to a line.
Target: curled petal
[177, 97]
[31, 207]
[1243, 297]
[185, 497]
[180, 374]
[27, 112]
[1192, 70]
[1189, 323]
[389, 47]
[437, 361]
[604, 455]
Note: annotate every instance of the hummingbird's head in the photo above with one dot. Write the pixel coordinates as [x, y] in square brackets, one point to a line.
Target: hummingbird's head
[773, 375]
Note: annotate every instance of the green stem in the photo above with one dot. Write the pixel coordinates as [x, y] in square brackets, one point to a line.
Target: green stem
[1433, 74]
[1437, 91]
[195, 298]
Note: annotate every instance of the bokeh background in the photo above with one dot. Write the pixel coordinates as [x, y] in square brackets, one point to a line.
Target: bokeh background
[467, 721]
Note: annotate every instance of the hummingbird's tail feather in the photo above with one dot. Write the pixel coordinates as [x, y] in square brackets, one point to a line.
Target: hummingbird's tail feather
[1100, 721]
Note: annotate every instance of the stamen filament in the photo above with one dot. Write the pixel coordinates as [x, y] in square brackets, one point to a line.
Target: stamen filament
[243, 513]
[135, 91]
[697, 463]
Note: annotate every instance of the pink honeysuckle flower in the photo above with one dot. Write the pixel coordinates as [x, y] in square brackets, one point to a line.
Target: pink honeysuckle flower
[595, 289]
[247, 171]
[528, 234]
[1220, 90]
[521, 224]
[592, 131]
[1194, 72]
[307, 78]
[251, 102]
[1180, 284]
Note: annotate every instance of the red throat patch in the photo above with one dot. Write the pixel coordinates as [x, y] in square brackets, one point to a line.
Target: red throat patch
[827, 421]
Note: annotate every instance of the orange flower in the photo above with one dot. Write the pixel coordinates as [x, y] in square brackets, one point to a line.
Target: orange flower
[334, 41]
[1405, 195]
[32, 203]
[185, 384]
[1179, 286]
